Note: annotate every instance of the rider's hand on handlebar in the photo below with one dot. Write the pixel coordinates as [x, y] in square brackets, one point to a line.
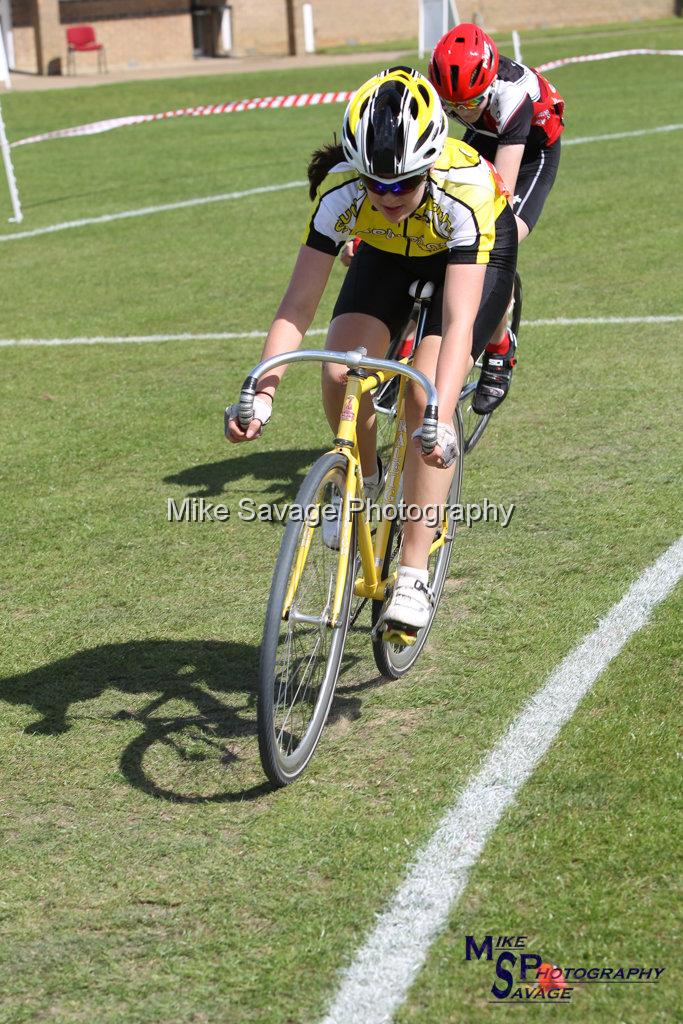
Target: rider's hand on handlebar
[435, 457]
[446, 451]
[263, 404]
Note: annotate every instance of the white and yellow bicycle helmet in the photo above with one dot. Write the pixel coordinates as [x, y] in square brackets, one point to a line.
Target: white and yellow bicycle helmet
[394, 125]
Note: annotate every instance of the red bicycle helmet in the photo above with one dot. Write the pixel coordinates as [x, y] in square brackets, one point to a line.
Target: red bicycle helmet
[464, 63]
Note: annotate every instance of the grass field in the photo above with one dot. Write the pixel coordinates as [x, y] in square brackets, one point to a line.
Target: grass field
[150, 876]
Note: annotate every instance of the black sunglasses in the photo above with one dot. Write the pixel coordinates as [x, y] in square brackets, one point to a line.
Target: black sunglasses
[397, 188]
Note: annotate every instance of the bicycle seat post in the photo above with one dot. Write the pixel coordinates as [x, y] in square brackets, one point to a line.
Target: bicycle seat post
[422, 292]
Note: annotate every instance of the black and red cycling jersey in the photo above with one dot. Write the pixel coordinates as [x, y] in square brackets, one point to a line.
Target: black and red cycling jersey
[524, 108]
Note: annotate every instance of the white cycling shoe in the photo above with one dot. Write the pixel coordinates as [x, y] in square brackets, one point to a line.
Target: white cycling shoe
[332, 526]
[411, 602]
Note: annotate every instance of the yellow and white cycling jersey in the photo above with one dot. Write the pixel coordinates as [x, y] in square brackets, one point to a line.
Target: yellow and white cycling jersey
[463, 199]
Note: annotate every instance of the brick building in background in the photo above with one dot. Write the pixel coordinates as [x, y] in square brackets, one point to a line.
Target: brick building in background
[158, 33]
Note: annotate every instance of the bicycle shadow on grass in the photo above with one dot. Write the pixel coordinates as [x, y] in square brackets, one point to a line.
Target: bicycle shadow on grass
[202, 754]
[283, 472]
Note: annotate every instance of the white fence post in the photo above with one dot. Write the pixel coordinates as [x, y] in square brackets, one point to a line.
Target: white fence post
[9, 171]
[309, 38]
[6, 33]
[517, 43]
[226, 29]
[4, 66]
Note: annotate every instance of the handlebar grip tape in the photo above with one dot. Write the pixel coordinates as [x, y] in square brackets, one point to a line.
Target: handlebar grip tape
[246, 412]
[430, 424]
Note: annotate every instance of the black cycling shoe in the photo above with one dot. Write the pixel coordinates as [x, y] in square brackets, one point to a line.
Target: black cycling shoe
[494, 380]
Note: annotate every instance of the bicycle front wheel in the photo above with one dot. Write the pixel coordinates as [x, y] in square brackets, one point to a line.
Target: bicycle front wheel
[394, 660]
[302, 648]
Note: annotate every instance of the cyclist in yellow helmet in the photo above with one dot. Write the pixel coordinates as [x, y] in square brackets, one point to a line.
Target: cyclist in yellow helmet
[425, 206]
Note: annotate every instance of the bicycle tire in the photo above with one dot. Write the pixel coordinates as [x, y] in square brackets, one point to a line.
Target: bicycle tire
[392, 660]
[474, 425]
[517, 296]
[285, 754]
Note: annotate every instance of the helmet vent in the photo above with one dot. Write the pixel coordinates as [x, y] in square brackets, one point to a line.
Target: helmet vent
[475, 74]
[424, 137]
[370, 138]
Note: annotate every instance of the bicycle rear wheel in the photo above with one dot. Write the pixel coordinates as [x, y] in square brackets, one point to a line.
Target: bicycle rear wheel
[474, 425]
[394, 660]
[301, 650]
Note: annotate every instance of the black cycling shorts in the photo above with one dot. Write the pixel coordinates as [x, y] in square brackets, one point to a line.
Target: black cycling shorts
[377, 284]
[534, 181]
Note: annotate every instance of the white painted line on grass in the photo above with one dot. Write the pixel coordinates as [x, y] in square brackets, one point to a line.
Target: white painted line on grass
[621, 135]
[143, 339]
[146, 210]
[204, 200]
[562, 321]
[137, 339]
[377, 981]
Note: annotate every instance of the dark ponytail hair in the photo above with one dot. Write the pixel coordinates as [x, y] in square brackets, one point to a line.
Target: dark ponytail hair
[322, 161]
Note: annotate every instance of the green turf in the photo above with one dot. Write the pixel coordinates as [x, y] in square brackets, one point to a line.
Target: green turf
[149, 875]
[407, 44]
[587, 864]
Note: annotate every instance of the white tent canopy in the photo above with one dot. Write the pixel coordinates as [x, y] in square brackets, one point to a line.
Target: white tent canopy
[436, 17]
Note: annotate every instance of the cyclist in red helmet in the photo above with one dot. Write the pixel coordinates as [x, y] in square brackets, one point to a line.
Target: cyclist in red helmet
[513, 117]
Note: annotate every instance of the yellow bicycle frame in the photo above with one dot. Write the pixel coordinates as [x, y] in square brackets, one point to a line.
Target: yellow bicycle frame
[372, 553]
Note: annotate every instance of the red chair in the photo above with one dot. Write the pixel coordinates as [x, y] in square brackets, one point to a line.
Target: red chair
[81, 39]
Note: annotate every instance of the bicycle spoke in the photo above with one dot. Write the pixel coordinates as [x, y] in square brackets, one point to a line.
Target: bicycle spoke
[311, 660]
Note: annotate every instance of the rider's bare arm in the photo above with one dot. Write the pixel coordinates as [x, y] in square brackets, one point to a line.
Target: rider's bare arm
[461, 298]
[292, 320]
[507, 163]
[297, 309]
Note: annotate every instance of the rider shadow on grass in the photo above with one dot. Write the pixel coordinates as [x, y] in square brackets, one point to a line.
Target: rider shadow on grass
[202, 754]
[283, 472]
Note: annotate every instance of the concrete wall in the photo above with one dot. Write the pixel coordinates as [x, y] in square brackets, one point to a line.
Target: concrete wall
[153, 41]
[25, 53]
[140, 42]
[498, 14]
[143, 42]
[260, 26]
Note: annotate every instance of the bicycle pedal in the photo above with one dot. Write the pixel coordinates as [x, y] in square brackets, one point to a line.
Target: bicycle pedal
[404, 636]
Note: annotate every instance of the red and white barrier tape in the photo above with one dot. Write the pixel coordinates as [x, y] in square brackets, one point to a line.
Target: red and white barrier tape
[276, 102]
[262, 103]
[551, 65]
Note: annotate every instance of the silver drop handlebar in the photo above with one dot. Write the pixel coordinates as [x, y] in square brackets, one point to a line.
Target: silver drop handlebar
[356, 359]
